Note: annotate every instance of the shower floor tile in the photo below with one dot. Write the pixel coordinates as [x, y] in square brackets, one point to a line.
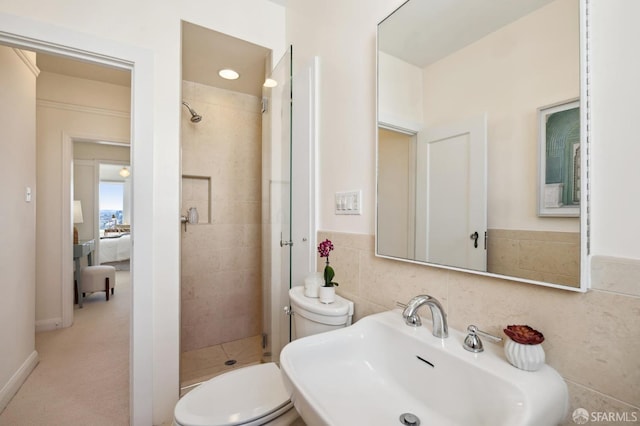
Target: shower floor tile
[202, 364]
[245, 350]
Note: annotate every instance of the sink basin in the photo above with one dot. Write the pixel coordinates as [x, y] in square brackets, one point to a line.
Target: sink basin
[378, 369]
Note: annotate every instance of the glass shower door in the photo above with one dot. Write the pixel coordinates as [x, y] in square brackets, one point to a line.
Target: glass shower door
[276, 208]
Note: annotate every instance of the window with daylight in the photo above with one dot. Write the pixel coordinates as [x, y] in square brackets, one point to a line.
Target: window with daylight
[111, 204]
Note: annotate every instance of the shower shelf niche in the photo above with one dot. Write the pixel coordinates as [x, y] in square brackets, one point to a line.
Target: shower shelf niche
[196, 192]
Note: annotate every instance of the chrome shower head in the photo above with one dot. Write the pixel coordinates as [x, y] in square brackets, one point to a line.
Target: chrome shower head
[195, 117]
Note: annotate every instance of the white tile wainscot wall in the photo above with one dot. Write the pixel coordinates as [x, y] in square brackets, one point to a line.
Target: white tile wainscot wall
[591, 339]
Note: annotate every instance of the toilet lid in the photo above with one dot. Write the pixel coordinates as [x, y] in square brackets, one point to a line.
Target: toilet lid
[234, 398]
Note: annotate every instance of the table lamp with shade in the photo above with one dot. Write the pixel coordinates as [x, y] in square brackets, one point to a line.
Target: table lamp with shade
[77, 218]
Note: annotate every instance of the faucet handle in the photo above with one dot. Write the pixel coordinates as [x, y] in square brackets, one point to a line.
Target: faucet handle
[472, 342]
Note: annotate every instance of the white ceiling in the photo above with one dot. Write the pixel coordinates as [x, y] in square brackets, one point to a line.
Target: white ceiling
[422, 32]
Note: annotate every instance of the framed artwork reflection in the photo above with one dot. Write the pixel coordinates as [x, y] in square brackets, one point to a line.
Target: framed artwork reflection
[559, 159]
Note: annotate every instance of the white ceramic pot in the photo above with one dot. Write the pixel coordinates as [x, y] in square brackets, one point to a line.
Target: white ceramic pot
[524, 357]
[312, 283]
[327, 294]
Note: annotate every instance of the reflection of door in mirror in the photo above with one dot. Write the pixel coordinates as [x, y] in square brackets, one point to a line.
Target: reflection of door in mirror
[442, 172]
[451, 192]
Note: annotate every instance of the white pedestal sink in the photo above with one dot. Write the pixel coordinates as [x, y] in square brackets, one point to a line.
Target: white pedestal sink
[379, 368]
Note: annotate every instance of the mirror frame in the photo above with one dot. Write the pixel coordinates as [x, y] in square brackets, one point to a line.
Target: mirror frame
[585, 139]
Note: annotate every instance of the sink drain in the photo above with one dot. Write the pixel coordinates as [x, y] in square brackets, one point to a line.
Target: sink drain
[409, 419]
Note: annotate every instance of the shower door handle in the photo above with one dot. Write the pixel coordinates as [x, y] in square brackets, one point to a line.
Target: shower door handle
[285, 243]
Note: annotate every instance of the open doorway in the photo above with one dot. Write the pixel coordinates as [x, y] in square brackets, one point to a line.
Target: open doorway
[72, 103]
[41, 37]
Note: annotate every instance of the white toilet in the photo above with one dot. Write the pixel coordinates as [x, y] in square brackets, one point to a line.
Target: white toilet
[255, 395]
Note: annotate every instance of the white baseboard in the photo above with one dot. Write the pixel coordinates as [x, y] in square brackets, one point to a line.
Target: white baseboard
[13, 385]
[48, 324]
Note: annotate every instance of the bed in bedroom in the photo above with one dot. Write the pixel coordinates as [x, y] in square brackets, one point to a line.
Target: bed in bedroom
[114, 248]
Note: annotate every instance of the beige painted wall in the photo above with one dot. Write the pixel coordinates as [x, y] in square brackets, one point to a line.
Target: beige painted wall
[221, 293]
[93, 151]
[17, 257]
[400, 100]
[77, 108]
[84, 191]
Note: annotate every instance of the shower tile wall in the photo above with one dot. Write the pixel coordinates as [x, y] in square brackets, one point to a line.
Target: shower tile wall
[220, 270]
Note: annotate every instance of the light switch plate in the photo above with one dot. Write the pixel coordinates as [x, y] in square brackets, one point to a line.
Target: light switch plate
[348, 202]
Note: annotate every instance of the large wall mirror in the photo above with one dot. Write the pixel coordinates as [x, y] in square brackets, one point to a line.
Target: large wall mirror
[482, 144]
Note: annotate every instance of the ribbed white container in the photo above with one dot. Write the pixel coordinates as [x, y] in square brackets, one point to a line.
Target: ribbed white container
[327, 294]
[524, 357]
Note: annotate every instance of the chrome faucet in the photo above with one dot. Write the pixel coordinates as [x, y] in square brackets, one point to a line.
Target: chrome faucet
[411, 317]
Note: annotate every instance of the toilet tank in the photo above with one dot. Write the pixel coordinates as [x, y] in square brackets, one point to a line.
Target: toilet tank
[312, 317]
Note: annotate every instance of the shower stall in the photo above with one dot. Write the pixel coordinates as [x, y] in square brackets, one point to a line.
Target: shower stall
[237, 176]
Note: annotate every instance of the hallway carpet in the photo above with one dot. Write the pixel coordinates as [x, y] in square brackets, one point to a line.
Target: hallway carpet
[83, 374]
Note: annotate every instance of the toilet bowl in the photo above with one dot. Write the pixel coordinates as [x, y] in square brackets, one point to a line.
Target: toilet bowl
[256, 395]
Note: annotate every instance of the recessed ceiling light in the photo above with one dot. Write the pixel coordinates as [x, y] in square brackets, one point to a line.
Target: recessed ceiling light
[229, 74]
[270, 83]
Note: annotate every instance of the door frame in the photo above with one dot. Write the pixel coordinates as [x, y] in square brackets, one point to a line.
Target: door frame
[67, 287]
[23, 33]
